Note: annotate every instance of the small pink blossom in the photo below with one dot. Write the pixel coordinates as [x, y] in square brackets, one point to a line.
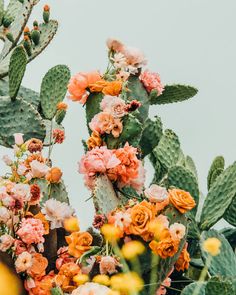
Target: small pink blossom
[152, 81]
[116, 45]
[18, 138]
[38, 169]
[21, 169]
[122, 219]
[23, 262]
[21, 191]
[156, 193]
[113, 105]
[31, 231]
[6, 159]
[177, 231]
[59, 136]
[19, 247]
[108, 265]
[6, 241]
[134, 56]
[4, 214]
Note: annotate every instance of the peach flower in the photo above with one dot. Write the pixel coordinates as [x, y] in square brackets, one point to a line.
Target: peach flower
[94, 140]
[113, 105]
[156, 193]
[182, 200]
[79, 242]
[112, 88]
[34, 145]
[92, 289]
[152, 81]
[38, 169]
[38, 267]
[42, 286]
[6, 241]
[115, 45]
[177, 231]
[79, 83]
[165, 248]
[64, 278]
[102, 123]
[23, 262]
[18, 138]
[183, 261]
[31, 231]
[108, 265]
[134, 56]
[54, 175]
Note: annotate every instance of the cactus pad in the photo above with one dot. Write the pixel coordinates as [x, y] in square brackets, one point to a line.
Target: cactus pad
[225, 262]
[219, 286]
[53, 89]
[218, 163]
[19, 116]
[190, 165]
[190, 288]
[93, 106]
[230, 213]
[174, 93]
[219, 197]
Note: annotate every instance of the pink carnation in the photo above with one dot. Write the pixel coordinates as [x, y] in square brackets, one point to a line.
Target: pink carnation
[6, 242]
[108, 265]
[113, 105]
[152, 81]
[31, 231]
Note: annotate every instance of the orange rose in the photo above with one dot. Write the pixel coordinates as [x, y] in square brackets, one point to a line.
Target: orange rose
[183, 261]
[141, 215]
[165, 248]
[97, 86]
[39, 265]
[79, 242]
[54, 175]
[41, 217]
[94, 140]
[43, 286]
[182, 200]
[112, 88]
[64, 278]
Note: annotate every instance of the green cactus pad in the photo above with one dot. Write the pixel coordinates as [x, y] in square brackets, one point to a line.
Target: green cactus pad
[104, 196]
[48, 130]
[60, 116]
[220, 286]
[218, 163]
[214, 176]
[224, 263]
[230, 213]
[230, 235]
[182, 178]
[151, 135]
[219, 197]
[53, 89]
[56, 291]
[1, 10]
[190, 165]
[168, 149]
[17, 69]
[19, 117]
[174, 93]
[190, 288]
[55, 191]
[93, 106]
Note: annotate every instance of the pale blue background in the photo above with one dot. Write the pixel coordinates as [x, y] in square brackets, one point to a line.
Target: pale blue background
[186, 41]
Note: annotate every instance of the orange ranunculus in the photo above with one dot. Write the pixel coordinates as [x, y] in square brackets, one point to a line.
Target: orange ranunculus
[112, 88]
[64, 278]
[44, 221]
[165, 248]
[141, 215]
[42, 286]
[35, 156]
[98, 86]
[183, 261]
[54, 175]
[94, 140]
[79, 242]
[182, 200]
[39, 265]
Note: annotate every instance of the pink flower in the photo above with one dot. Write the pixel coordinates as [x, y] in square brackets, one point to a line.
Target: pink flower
[78, 84]
[138, 182]
[91, 289]
[90, 263]
[19, 247]
[21, 191]
[31, 231]
[102, 123]
[58, 135]
[162, 289]
[98, 160]
[23, 262]
[7, 160]
[152, 81]
[113, 105]
[18, 138]
[134, 56]
[4, 214]
[6, 242]
[122, 219]
[21, 169]
[38, 169]
[156, 193]
[163, 220]
[108, 265]
[177, 231]
[115, 45]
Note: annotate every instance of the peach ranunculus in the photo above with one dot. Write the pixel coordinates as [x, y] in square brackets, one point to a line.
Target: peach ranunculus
[141, 215]
[165, 248]
[94, 140]
[38, 267]
[114, 105]
[79, 242]
[98, 86]
[134, 56]
[38, 169]
[108, 265]
[181, 200]
[79, 83]
[6, 241]
[156, 193]
[115, 45]
[42, 286]
[54, 175]
[183, 261]
[112, 88]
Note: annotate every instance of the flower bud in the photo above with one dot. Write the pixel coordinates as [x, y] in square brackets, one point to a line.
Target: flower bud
[46, 13]
[54, 175]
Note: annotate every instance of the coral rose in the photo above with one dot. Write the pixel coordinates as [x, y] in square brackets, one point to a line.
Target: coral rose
[38, 267]
[112, 88]
[64, 279]
[79, 242]
[141, 215]
[182, 200]
[54, 175]
[183, 261]
[165, 248]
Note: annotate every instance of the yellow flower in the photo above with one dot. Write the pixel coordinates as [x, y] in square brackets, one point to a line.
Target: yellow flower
[127, 282]
[113, 292]
[102, 280]
[110, 232]
[212, 246]
[80, 279]
[132, 249]
[71, 224]
[9, 284]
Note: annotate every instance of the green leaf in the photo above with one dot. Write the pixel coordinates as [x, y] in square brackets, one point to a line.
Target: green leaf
[174, 93]
[17, 69]
[189, 290]
[219, 197]
[190, 165]
[224, 263]
[53, 89]
[93, 251]
[230, 213]
[218, 165]
[93, 106]
[56, 291]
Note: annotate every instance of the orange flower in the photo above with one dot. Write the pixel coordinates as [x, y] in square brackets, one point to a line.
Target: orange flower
[183, 261]
[112, 88]
[94, 140]
[39, 265]
[98, 86]
[54, 175]
[36, 156]
[79, 242]
[64, 278]
[141, 215]
[165, 248]
[41, 217]
[182, 200]
[62, 106]
[42, 286]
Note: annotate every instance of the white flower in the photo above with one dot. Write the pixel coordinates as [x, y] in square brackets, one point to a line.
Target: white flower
[122, 219]
[4, 214]
[23, 262]
[56, 212]
[18, 138]
[21, 169]
[38, 169]
[177, 231]
[156, 193]
[91, 289]
[6, 159]
[119, 60]
[21, 190]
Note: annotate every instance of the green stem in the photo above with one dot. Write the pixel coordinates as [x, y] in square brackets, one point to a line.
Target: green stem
[50, 143]
[203, 275]
[154, 274]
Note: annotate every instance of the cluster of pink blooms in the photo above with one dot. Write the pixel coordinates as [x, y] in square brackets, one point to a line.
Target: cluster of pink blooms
[120, 165]
[152, 81]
